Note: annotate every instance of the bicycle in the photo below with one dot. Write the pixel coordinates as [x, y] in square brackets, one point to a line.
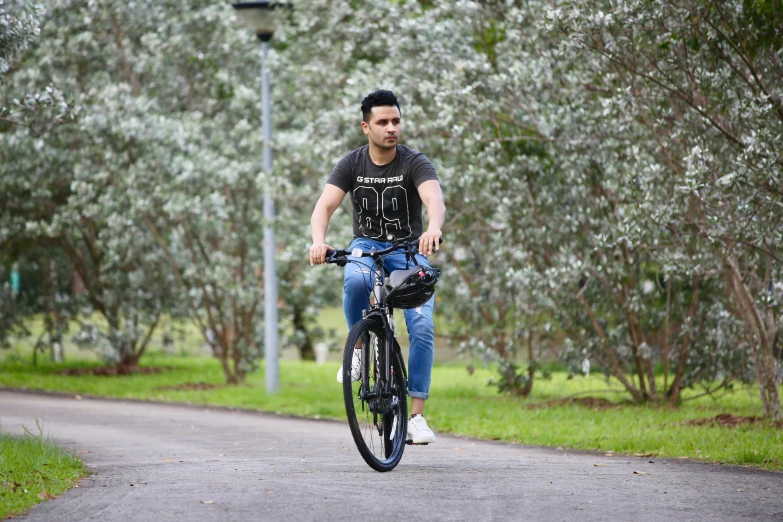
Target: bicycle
[377, 403]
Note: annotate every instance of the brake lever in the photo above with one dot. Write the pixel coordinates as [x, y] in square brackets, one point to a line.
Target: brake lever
[333, 256]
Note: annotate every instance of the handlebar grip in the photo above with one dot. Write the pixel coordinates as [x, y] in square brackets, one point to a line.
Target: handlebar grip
[336, 256]
[416, 241]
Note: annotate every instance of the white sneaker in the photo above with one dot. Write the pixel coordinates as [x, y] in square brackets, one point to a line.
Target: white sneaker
[419, 432]
[356, 368]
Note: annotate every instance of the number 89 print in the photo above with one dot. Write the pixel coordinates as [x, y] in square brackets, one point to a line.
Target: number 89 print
[390, 217]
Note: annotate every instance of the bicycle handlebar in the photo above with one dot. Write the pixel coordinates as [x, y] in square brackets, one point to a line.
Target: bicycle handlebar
[338, 255]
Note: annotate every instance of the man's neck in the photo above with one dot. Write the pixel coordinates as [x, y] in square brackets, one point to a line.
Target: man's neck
[382, 157]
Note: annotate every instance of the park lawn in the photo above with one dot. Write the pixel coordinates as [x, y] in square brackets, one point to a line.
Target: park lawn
[32, 470]
[462, 404]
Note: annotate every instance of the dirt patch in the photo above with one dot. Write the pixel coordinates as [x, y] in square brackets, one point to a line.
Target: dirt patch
[729, 421]
[189, 386]
[113, 371]
[593, 403]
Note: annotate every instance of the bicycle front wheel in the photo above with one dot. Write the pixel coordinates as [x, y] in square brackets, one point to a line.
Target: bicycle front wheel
[377, 412]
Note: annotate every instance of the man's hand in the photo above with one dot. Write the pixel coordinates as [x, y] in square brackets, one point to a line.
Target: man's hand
[432, 197]
[429, 242]
[318, 253]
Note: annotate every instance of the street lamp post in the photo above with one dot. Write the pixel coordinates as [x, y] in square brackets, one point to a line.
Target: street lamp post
[261, 18]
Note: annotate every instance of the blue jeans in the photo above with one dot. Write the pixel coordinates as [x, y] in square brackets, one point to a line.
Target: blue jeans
[421, 330]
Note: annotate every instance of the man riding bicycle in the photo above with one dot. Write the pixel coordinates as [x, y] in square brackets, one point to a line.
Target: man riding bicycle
[388, 183]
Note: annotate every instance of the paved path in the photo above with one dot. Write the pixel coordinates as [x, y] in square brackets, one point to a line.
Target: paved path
[159, 462]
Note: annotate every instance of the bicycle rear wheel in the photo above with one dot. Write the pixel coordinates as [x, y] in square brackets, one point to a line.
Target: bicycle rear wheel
[378, 417]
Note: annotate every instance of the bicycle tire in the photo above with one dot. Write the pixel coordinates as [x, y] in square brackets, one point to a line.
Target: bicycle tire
[379, 440]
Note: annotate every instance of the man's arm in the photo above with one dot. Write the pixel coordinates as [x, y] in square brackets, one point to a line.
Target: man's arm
[330, 199]
[432, 197]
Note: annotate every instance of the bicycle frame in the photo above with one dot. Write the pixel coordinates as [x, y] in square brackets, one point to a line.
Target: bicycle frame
[378, 310]
[384, 314]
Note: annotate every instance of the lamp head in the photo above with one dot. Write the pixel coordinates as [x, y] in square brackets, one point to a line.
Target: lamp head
[262, 17]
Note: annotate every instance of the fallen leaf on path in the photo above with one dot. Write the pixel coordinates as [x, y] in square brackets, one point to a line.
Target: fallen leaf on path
[608, 454]
[458, 449]
[207, 501]
[77, 397]
[683, 458]
[640, 473]
[270, 492]
[599, 465]
[644, 454]
[82, 452]
[167, 460]
[741, 490]
[43, 495]
[222, 455]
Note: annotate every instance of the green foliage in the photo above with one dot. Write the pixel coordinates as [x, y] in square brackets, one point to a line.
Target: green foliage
[487, 40]
[765, 17]
[514, 380]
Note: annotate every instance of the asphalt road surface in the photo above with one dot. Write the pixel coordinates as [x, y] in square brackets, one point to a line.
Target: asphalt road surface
[160, 462]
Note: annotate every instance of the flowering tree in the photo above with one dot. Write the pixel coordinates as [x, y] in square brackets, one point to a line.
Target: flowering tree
[703, 80]
[154, 194]
[33, 113]
[590, 154]
[563, 212]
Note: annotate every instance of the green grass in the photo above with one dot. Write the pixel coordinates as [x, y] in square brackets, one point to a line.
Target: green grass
[32, 470]
[460, 404]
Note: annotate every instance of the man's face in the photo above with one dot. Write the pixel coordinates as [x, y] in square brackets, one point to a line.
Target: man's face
[383, 128]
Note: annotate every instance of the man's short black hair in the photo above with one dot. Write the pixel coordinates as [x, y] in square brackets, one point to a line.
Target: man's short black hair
[379, 98]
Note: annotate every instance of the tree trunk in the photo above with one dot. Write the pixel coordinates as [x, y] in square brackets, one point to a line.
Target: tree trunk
[665, 355]
[532, 364]
[129, 361]
[306, 350]
[759, 334]
[674, 391]
[225, 355]
[616, 369]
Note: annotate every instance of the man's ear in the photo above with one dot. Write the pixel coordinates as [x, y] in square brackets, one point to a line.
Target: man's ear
[365, 128]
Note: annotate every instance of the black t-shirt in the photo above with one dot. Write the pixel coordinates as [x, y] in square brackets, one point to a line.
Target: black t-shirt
[385, 198]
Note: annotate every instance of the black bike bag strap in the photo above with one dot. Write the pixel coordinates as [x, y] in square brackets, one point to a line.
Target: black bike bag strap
[398, 276]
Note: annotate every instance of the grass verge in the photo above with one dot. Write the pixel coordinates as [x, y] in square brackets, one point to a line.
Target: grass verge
[32, 470]
[461, 404]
